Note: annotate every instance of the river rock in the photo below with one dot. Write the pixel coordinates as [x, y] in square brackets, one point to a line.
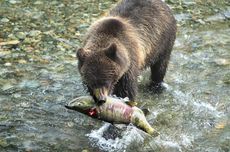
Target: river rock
[34, 33]
[222, 61]
[4, 20]
[21, 35]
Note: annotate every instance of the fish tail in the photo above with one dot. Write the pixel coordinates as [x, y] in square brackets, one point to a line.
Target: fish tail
[139, 120]
[150, 130]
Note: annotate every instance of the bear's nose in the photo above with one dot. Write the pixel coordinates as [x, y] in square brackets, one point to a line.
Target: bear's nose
[101, 94]
[102, 99]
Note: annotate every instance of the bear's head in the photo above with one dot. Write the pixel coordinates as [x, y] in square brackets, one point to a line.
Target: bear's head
[101, 69]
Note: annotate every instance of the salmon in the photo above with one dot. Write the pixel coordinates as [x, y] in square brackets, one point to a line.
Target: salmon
[114, 110]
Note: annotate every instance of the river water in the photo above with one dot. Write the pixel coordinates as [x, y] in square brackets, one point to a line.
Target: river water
[39, 76]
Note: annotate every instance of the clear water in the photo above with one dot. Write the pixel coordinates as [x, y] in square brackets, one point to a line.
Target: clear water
[39, 75]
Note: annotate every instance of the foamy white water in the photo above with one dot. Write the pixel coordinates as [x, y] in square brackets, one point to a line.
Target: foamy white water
[131, 135]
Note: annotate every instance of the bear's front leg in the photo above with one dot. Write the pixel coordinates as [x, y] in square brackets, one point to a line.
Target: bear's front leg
[126, 86]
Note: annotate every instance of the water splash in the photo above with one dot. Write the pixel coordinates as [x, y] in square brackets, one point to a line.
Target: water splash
[129, 137]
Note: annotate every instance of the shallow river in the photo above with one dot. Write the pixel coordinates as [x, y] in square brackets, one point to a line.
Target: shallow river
[38, 76]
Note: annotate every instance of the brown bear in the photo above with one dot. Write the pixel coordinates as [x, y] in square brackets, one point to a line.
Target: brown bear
[136, 34]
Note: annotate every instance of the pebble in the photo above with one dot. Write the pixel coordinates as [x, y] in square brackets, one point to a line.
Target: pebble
[21, 35]
[70, 124]
[12, 36]
[201, 21]
[4, 20]
[38, 3]
[34, 33]
[22, 61]
[4, 53]
[7, 86]
[222, 61]
[12, 1]
[3, 143]
[25, 104]
[8, 64]
[31, 84]
[215, 18]
[227, 14]
[16, 95]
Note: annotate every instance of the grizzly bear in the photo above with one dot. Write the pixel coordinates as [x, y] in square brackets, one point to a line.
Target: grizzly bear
[135, 34]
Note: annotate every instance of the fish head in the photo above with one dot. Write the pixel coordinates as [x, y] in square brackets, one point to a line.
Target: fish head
[84, 104]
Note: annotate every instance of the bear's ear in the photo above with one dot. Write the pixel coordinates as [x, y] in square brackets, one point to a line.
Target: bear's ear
[111, 51]
[81, 54]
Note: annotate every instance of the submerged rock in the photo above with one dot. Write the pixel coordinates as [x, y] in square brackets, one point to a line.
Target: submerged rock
[7, 86]
[21, 35]
[227, 14]
[7, 64]
[38, 2]
[29, 84]
[12, 1]
[34, 33]
[222, 61]
[112, 132]
[4, 20]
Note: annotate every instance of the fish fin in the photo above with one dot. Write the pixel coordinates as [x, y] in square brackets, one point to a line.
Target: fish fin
[146, 111]
[68, 107]
[155, 133]
[131, 103]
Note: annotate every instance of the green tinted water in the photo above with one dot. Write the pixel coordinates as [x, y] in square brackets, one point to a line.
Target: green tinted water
[38, 76]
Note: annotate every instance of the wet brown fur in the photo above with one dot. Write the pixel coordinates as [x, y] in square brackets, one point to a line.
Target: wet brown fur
[136, 34]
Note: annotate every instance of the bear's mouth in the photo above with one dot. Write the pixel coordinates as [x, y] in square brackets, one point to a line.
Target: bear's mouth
[101, 93]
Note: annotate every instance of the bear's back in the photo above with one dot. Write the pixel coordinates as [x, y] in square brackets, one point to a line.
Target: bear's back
[153, 21]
